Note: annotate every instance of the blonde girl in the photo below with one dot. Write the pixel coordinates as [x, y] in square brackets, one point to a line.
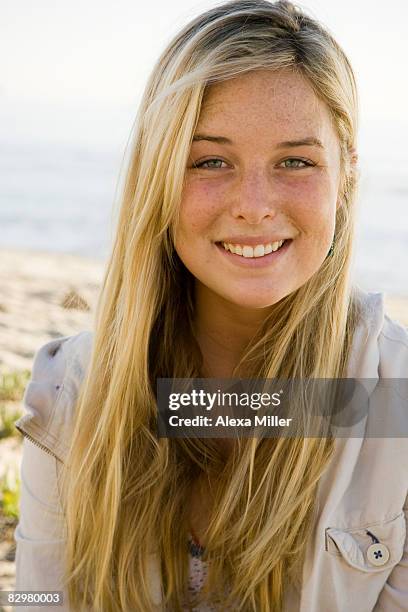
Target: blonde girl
[232, 257]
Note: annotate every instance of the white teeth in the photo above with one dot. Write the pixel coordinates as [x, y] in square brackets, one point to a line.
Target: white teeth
[258, 251]
[247, 251]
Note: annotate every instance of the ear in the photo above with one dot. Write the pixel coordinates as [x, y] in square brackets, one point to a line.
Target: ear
[353, 157]
[351, 167]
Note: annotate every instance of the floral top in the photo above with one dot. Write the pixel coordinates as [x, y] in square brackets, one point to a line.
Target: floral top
[198, 570]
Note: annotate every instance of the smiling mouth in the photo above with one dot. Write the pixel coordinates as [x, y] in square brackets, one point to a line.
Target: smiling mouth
[249, 252]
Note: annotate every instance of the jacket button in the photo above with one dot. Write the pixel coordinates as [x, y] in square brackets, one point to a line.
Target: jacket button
[378, 554]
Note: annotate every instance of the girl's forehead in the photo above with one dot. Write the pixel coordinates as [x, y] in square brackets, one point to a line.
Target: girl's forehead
[266, 102]
[259, 83]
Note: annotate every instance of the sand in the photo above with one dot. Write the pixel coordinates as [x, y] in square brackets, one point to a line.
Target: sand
[34, 289]
[396, 307]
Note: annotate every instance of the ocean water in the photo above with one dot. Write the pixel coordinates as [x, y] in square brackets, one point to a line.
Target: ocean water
[60, 198]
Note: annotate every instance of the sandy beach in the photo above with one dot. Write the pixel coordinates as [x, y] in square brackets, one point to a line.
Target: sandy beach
[43, 296]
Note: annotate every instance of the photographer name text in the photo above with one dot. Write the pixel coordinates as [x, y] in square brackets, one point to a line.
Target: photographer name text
[226, 421]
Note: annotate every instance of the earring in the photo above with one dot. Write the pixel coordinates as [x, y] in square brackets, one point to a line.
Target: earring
[331, 251]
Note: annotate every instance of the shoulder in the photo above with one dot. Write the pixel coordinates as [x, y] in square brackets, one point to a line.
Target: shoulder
[380, 344]
[393, 342]
[49, 400]
[379, 360]
[63, 360]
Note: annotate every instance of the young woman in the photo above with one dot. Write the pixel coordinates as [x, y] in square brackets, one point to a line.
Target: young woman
[232, 258]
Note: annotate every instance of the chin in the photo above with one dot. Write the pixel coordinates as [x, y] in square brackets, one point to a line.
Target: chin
[256, 302]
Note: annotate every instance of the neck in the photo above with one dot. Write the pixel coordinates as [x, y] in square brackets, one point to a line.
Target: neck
[223, 330]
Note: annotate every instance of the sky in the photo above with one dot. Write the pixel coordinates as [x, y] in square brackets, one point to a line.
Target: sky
[73, 70]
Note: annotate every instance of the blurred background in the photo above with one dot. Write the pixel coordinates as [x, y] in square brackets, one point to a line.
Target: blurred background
[71, 77]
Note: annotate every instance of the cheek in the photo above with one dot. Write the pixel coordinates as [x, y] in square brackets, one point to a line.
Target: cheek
[200, 206]
[312, 201]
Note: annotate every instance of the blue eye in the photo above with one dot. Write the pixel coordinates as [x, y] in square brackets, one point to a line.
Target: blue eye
[209, 161]
[295, 162]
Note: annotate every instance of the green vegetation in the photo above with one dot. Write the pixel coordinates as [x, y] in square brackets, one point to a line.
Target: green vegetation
[12, 385]
[10, 494]
[7, 420]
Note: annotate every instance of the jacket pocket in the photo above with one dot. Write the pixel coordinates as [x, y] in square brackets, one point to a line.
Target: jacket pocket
[375, 547]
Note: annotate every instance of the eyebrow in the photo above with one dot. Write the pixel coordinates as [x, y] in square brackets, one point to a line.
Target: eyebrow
[310, 141]
[303, 142]
[218, 139]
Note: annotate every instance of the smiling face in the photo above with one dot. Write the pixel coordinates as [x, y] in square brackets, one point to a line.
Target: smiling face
[264, 167]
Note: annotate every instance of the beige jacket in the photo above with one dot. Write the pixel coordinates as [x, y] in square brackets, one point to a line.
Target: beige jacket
[364, 488]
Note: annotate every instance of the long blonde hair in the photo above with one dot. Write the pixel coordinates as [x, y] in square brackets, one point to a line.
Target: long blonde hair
[125, 489]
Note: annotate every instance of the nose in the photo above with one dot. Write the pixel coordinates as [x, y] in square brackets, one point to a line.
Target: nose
[254, 198]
